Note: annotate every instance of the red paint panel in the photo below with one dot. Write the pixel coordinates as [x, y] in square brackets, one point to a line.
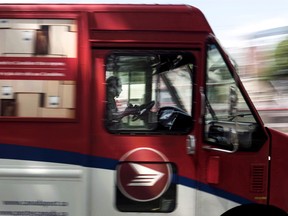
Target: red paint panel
[35, 68]
[213, 168]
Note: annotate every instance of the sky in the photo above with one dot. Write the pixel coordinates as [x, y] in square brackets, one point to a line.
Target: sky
[231, 20]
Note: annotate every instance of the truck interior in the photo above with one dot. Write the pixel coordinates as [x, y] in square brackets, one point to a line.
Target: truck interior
[157, 87]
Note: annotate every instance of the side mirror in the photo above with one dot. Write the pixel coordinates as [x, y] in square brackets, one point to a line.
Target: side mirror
[218, 134]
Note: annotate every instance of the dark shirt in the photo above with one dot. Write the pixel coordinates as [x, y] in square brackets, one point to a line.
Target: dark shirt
[113, 118]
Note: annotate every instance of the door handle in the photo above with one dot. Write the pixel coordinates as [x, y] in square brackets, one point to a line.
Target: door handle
[191, 144]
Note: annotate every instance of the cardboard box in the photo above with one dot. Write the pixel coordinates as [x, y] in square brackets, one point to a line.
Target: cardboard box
[68, 82]
[5, 23]
[28, 104]
[52, 91]
[71, 44]
[68, 96]
[19, 41]
[24, 24]
[59, 22]
[58, 40]
[2, 38]
[57, 113]
[29, 86]
[8, 107]
[63, 42]
[7, 89]
[52, 88]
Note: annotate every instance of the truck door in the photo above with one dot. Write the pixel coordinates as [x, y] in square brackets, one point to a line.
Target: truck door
[235, 161]
[144, 132]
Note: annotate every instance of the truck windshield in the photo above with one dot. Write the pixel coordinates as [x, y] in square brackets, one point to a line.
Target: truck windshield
[221, 90]
[229, 122]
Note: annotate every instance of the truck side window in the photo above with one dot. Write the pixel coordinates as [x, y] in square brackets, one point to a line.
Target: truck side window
[227, 112]
[38, 68]
[149, 91]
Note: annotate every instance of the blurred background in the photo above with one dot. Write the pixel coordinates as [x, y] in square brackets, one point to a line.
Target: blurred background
[255, 33]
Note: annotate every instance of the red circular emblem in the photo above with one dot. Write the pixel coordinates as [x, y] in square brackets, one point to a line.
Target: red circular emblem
[144, 174]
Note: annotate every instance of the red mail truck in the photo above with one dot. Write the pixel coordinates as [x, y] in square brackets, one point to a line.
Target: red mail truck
[114, 110]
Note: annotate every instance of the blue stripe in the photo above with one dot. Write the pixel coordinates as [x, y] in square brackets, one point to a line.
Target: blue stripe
[58, 156]
[54, 156]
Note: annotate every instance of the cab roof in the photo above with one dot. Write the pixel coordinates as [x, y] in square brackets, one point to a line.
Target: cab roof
[118, 17]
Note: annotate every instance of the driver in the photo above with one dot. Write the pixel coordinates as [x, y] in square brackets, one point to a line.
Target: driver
[113, 116]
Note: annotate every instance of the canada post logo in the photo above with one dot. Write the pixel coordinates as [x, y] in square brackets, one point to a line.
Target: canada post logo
[143, 175]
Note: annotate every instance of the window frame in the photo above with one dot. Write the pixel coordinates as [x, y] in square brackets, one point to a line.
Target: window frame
[192, 75]
[52, 15]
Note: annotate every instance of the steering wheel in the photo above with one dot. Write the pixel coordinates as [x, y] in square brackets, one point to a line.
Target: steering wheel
[143, 110]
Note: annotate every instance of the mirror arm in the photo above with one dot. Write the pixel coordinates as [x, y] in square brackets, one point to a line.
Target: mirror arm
[235, 148]
[203, 101]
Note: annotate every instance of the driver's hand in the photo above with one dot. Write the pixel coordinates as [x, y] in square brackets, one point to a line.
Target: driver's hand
[129, 105]
[132, 109]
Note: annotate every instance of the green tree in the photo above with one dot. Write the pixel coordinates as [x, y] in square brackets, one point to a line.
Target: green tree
[281, 56]
[281, 59]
